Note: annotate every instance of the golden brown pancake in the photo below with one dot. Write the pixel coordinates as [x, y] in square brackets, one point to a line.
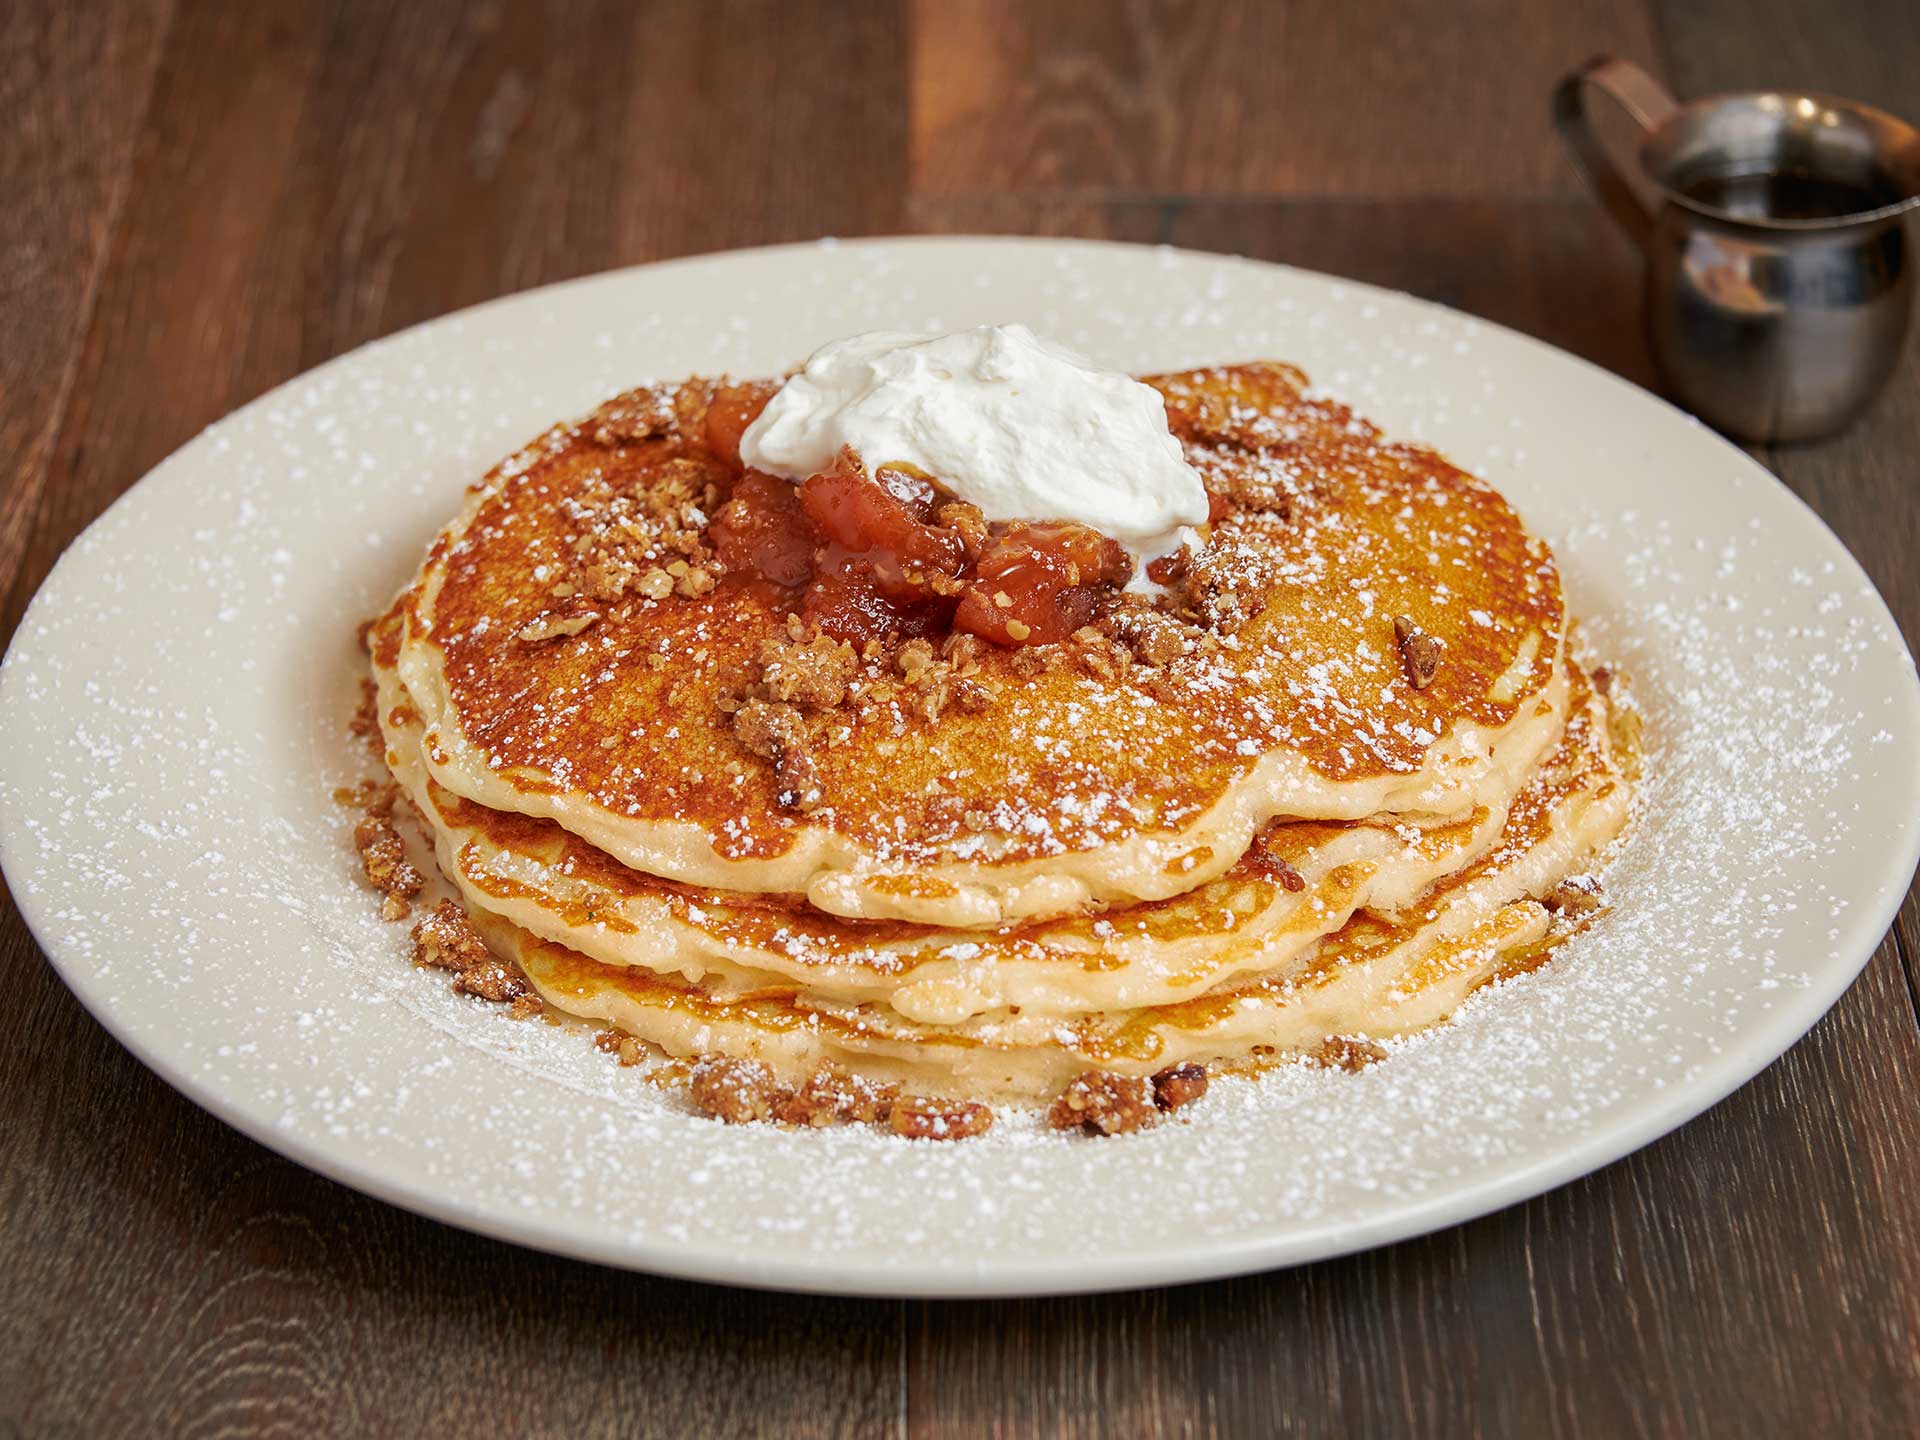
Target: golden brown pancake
[1379, 976]
[1297, 882]
[1290, 698]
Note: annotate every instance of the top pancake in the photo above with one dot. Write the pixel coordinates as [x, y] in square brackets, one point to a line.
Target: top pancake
[1064, 787]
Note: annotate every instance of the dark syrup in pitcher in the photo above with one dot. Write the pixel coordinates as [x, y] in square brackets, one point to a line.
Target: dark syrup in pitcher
[1786, 195]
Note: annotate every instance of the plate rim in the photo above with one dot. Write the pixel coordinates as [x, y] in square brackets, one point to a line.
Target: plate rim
[1257, 1248]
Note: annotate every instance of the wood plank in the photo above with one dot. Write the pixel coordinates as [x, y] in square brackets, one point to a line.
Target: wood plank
[178, 307]
[648, 132]
[1249, 99]
[74, 84]
[1863, 51]
[1553, 268]
[309, 177]
[365, 169]
[1139, 222]
[1656, 1297]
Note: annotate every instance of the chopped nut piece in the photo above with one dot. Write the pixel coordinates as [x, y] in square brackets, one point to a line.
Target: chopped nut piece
[916, 655]
[1351, 1053]
[384, 863]
[919, 1118]
[1576, 895]
[1419, 652]
[1105, 1103]
[1099, 655]
[495, 980]
[1179, 1085]
[639, 414]
[971, 695]
[375, 798]
[1150, 636]
[832, 1096]
[799, 787]
[961, 649]
[767, 729]
[813, 674]
[930, 699]
[526, 1006]
[736, 1091]
[967, 521]
[777, 733]
[694, 584]
[552, 627]
[446, 940]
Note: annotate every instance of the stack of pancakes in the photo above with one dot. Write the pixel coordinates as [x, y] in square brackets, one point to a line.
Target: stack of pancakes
[1267, 827]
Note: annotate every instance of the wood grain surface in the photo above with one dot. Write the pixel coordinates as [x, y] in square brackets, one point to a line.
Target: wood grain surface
[198, 201]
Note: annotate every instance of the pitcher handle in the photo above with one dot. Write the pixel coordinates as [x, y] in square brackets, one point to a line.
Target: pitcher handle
[1644, 99]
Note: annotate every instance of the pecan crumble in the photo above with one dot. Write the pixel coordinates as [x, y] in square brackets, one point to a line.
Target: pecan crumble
[384, 863]
[1419, 651]
[812, 675]
[644, 413]
[743, 1092]
[832, 1096]
[1179, 1086]
[642, 536]
[1105, 1103]
[445, 939]
[1576, 895]
[616, 1042]
[736, 1091]
[778, 733]
[918, 1118]
[1351, 1053]
[554, 627]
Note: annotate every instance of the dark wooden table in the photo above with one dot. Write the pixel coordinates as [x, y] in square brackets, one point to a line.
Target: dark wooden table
[199, 201]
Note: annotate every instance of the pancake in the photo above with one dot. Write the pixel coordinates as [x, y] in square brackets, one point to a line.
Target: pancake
[1244, 924]
[1076, 785]
[1380, 976]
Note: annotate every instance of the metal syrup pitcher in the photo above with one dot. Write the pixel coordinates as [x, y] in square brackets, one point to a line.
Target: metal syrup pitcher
[1778, 281]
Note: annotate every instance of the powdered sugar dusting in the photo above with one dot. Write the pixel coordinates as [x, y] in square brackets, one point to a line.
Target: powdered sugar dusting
[174, 704]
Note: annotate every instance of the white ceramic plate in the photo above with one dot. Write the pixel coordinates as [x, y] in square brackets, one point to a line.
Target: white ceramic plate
[172, 711]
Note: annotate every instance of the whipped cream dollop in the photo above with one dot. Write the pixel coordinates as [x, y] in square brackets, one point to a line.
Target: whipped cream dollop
[1002, 419]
